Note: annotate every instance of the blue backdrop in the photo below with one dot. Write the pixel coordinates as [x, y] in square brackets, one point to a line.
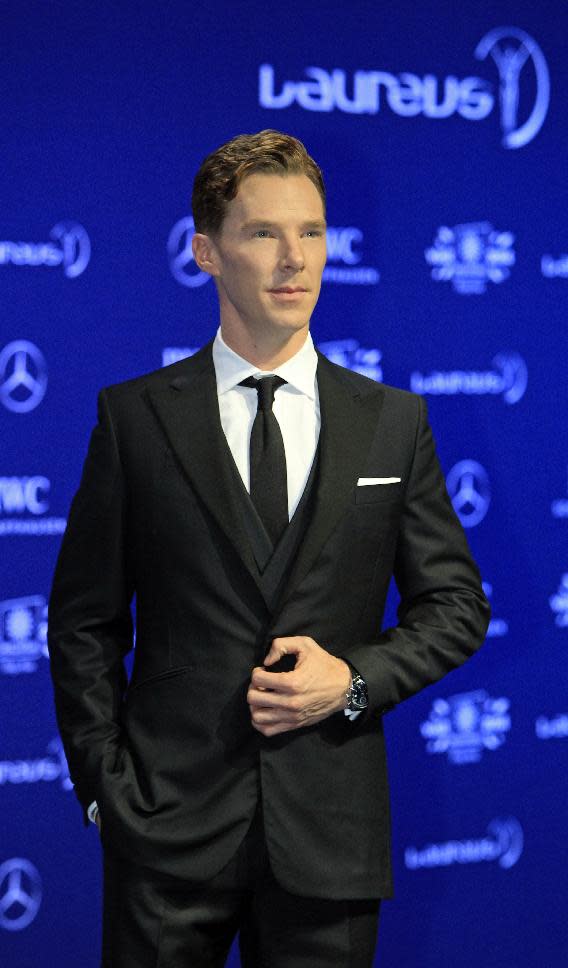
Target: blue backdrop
[442, 133]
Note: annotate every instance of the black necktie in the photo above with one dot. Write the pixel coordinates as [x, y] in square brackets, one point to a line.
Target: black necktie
[268, 484]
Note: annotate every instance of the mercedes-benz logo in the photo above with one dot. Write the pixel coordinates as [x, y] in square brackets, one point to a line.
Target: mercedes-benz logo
[23, 376]
[468, 487]
[20, 893]
[180, 254]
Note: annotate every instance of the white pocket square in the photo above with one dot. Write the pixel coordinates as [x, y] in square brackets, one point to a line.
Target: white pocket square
[366, 481]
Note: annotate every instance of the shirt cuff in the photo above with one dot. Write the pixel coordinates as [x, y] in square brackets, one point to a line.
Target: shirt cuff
[92, 811]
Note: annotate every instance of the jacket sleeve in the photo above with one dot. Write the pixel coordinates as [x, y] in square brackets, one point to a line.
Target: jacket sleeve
[89, 619]
[443, 613]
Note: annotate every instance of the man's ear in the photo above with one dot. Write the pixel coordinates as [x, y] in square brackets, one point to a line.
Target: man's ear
[205, 253]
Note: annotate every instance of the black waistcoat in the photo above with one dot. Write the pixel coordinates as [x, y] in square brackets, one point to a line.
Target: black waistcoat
[275, 563]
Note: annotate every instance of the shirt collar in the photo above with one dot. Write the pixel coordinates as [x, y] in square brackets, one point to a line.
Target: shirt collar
[299, 372]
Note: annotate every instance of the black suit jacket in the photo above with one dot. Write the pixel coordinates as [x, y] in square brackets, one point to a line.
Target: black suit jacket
[171, 756]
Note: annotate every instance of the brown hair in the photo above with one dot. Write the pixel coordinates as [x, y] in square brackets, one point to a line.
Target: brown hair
[219, 177]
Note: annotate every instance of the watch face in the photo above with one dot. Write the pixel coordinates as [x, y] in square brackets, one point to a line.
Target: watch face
[359, 697]
[358, 703]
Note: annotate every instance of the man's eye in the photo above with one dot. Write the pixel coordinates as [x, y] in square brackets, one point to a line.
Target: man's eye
[261, 234]
[314, 233]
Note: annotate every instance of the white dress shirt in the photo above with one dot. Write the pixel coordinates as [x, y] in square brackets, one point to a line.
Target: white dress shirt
[296, 408]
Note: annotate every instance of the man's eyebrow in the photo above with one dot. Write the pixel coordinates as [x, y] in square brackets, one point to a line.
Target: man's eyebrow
[316, 223]
[254, 223]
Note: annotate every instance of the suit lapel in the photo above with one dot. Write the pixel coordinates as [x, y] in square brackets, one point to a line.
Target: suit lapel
[348, 423]
[188, 411]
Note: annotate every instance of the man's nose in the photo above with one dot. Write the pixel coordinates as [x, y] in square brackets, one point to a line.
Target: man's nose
[293, 254]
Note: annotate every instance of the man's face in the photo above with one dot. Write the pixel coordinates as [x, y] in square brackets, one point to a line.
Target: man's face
[269, 256]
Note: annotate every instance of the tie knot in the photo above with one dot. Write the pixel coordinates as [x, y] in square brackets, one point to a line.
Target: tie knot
[266, 387]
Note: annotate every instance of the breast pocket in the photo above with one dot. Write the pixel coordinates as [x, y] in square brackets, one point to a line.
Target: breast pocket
[378, 493]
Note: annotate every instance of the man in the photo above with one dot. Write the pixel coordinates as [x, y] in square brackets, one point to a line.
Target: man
[257, 499]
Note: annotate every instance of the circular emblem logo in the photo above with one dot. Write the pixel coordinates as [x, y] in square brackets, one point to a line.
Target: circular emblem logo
[182, 263]
[23, 376]
[511, 49]
[509, 836]
[468, 487]
[75, 245]
[20, 893]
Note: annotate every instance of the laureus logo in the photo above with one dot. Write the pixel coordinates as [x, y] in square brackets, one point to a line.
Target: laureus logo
[70, 247]
[512, 50]
[410, 95]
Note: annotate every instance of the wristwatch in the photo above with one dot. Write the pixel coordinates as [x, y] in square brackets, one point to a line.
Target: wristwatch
[357, 696]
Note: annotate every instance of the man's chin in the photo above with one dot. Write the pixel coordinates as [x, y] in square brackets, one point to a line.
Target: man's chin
[290, 322]
[289, 330]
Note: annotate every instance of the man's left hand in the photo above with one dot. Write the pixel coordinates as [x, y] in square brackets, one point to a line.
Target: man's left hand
[313, 690]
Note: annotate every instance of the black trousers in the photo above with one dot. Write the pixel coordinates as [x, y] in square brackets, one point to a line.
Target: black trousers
[154, 921]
